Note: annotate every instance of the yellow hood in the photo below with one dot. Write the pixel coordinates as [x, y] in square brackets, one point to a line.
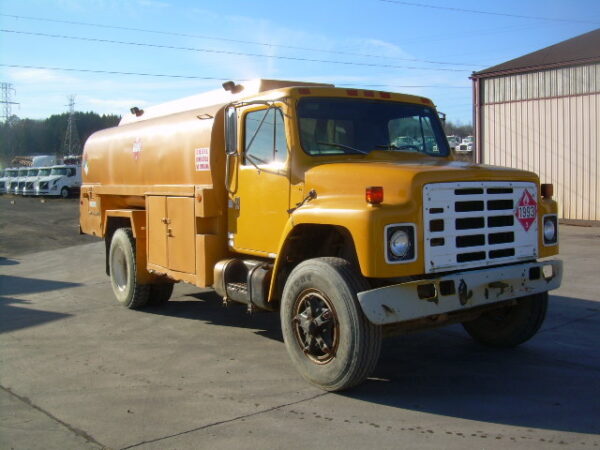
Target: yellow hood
[401, 181]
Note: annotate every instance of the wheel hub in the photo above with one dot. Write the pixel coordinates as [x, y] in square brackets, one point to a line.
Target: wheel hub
[315, 326]
[119, 269]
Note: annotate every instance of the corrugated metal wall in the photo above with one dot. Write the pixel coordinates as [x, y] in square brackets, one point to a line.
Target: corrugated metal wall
[547, 122]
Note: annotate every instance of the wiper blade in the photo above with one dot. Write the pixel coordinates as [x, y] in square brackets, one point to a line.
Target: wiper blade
[345, 147]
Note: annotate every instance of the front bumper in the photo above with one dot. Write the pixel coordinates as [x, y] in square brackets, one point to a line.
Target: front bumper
[458, 291]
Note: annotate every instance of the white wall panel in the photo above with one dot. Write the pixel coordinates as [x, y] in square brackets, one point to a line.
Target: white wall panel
[559, 82]
[557, 138]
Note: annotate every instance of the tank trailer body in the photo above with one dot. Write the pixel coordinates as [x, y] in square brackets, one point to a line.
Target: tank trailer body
[344, 209]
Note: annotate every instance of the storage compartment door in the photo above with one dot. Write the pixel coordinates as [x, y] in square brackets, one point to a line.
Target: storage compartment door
[181, 234]
[157, 230]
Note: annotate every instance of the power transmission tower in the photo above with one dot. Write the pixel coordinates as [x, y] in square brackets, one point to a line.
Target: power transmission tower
[7, 91]
[72, 144]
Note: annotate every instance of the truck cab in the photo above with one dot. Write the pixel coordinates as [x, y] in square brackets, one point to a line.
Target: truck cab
[5, 180]
[343, 209]
[18, 182]
[61, 180]
[32, 177]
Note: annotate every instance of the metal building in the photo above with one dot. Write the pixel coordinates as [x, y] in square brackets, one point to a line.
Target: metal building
[541, 112]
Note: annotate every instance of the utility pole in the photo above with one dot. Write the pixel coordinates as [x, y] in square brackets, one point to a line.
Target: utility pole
[72, 144]
[7, 91]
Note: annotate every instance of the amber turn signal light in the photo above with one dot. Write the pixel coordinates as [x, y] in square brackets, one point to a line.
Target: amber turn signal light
[547, 190]
[374, 195]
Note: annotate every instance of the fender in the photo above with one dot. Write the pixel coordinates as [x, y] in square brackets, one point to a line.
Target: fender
[353, 221]
[137, 218]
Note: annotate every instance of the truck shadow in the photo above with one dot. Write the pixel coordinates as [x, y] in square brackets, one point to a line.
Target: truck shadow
[551, 382]
[7, 261]
[208, 307]
[17, 317]
[13, 285]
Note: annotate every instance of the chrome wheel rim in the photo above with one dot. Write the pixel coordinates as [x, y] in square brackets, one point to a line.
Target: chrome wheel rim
[118, 264]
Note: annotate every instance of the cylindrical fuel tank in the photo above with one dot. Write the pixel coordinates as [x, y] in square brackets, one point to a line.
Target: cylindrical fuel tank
[184, 148]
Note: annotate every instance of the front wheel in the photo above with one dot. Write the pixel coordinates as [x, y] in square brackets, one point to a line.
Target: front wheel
[510, 325]
[330, 341]
[64, 192]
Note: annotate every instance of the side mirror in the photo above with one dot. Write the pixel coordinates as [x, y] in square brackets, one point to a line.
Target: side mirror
[231, 131]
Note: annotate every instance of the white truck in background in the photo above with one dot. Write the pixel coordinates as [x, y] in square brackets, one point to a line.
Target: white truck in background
[18, 182]
[63, 180]
[453, 141]
[32, 177]
[7, 175]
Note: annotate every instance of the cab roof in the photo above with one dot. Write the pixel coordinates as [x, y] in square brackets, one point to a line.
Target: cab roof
[258, 89]
[212, 98]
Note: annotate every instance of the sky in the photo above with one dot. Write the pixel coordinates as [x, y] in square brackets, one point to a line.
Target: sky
[422, 47]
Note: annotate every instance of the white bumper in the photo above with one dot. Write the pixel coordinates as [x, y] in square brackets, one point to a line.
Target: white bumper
[458, 291]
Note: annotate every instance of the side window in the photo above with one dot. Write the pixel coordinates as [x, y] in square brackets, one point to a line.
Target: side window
[264, 136]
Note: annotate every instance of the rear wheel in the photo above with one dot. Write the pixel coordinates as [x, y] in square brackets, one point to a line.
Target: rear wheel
[511, 325]
[330, 341]
[129, 292]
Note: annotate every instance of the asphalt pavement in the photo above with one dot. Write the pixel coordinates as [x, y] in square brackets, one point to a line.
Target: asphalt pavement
[79, 371]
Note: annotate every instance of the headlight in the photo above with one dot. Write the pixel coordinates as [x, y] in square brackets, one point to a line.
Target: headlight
[550, 229]
[54, 182]
[400, 243]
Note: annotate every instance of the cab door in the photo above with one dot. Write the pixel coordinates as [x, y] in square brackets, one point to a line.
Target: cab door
[258, 205]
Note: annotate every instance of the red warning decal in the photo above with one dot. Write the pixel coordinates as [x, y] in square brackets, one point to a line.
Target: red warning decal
[202, 159]
[526, 211]
[137, 148]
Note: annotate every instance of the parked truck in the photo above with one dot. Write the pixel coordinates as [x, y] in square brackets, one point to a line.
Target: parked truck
[33, 174]
[6, 179]
[62, 180]
[343, 209]
[17, 183]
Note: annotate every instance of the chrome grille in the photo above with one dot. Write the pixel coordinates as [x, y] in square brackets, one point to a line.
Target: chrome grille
[473, 224]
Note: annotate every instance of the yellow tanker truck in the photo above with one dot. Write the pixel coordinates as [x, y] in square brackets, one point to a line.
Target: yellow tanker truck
[343, 209]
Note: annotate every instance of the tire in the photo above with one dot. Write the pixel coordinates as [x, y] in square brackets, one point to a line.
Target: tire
[122, 269]
[160, 293]
[64, 192]
[511, 325]
[319, 305]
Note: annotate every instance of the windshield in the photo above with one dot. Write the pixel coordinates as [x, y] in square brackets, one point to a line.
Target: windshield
[59, 171]
[23, 172]
[12, 173]
[32, 172]
[45, 172]
[330, 126]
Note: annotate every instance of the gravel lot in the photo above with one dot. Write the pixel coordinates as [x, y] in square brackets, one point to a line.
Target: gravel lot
[32, 224]
[78, 371]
